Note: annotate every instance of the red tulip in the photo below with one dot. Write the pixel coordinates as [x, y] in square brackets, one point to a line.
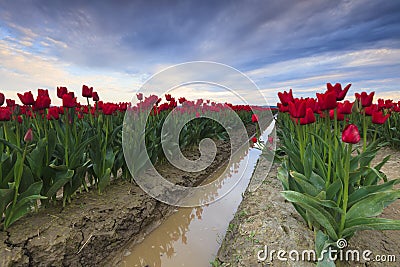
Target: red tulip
[68, 100]
[10, 103]
[345, 108]
[370, 109]
[327, 100]
[26, 98]
[337, 88]
[286, 97]
[95, 96]
[5, 114]
[309, 118]
[254, 139]
[366, 99]
[182, 100]
[109, 108]
[379, 118]
[168, 97]
[139, 96]
[43, 92]
[42, 102]
[28, 136]
[254, 118]
[86, 91]
[282, 108]
[53, 113]
[297, 109]
[351, 134]
[19, 119]
[312, 103]
[61, 91]
[2, 98]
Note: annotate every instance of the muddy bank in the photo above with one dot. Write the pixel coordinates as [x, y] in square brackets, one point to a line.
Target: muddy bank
[264, 218]
[90, 230]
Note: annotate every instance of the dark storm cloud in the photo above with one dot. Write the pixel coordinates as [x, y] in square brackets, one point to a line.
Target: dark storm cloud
[247, 34]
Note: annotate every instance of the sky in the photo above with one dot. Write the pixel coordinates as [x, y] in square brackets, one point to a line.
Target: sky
[115, 46]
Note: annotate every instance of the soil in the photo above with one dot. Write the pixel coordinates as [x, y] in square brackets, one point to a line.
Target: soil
[264, 218]
[93, 228]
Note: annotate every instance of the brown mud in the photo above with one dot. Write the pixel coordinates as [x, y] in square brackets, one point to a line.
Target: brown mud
[93, 228]
[264, 218]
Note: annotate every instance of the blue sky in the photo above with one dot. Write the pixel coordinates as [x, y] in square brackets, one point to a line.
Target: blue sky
[115, 46]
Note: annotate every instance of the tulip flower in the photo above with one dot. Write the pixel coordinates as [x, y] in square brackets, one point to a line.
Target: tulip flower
[168, 97]
[351, 134]
[286, 97]
[5, 114]
[365, 99]
[282, 108]
[10, 103]
[379, 118]
[139, 96]
[53, 113]
[254, 118]
[309, 117]
[2, 98]
[297, 108]
[327, 100]
[61, 91]
[337, 88]
[42, 102]
[19, 119]
[86, 91]
[95, 96]
[26, 98]
[43, 92]
[182, 100]
[68, 100]
[345, 108]
[109, 108]
[371, 109]
[28, 136]
[312, 103]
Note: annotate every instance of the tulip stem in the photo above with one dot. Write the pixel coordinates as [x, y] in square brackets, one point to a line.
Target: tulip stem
[346, 188]
[364, 132]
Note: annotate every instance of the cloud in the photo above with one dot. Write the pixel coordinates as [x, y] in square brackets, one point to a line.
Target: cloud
[280, 44]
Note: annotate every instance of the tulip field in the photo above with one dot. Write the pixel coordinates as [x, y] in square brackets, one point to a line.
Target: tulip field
[51, 152]
[327, 148]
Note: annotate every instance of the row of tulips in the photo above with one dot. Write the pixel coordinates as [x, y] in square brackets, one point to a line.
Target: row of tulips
[52, 151]
[328, 145]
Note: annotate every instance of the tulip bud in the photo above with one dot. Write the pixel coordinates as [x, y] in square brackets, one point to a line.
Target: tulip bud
[28, 136]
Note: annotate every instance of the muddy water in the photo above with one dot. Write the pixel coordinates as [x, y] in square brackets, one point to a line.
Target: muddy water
[192, 236]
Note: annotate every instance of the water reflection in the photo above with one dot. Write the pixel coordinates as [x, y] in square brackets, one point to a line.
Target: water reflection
[189, 237]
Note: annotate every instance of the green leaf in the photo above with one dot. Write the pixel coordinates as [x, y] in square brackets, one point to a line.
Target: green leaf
[333, 189]
[104, 180]
[33, 189]
[359, 224]
[62, 177]
[366, 190]
[372, 205]
[314, 208]
[307, 187]
[6, 197]
[308, 161]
